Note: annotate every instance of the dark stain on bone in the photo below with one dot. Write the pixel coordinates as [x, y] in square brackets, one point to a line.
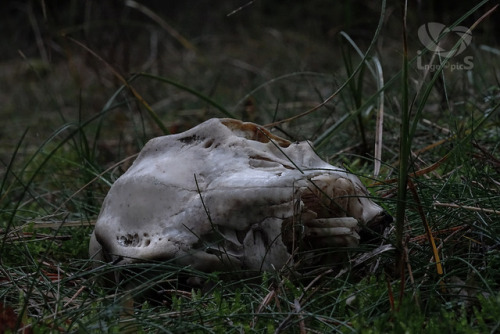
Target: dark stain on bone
[189, 140]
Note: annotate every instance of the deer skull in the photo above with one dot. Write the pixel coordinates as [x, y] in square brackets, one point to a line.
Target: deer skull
[230, 194]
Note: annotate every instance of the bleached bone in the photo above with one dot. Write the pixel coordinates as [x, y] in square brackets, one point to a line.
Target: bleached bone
[228, 194]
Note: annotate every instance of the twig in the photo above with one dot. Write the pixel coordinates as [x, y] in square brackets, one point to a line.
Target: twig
[302, 325]
[240, 8]
[466, 207]
[267, 299]
[74, 296]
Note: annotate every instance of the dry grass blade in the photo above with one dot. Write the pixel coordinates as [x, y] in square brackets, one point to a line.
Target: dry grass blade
[364, 257]
[265, 302]
[420, 172]
[174, 33]
[439, 267]
[379, 130]
[452, 230]
[120, 77]
[240, 8]
[466, 207]
[437, 260]
[390, 293]
[302, 325]
[74, 296]
[305, 113]
[485, 15]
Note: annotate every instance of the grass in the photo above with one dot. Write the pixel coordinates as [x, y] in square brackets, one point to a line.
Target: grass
[52, 186]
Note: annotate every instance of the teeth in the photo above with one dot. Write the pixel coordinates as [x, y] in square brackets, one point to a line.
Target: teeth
[329, 232]
[330, 227]
[348, 222]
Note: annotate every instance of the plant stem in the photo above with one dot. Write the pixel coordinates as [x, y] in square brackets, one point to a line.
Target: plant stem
[404, 148]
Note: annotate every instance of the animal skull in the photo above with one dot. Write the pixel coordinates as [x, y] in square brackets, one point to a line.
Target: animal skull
[230, 194]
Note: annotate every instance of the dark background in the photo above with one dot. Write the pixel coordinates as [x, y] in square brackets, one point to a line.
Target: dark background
[37, 27]
[222, 49]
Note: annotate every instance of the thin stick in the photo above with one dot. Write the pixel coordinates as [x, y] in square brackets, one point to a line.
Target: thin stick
[263, 304]
[74, 296]
[466, 207]
[240, 8]
[298, 310]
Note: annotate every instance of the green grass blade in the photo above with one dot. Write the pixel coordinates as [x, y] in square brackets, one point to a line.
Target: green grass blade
[327, 134]
[199, 95]
[404, 147]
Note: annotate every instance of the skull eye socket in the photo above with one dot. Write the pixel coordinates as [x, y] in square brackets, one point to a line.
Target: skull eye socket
[208, 143]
